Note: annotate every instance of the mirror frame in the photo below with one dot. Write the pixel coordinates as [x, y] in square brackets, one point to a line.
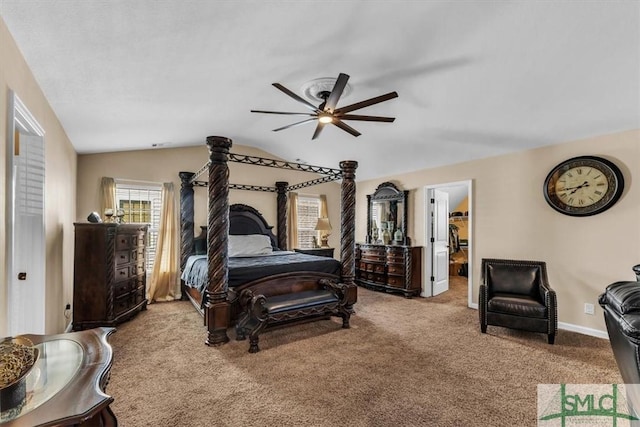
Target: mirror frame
[387, 191]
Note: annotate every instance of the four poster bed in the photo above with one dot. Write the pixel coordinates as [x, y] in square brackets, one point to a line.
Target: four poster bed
[237, 272]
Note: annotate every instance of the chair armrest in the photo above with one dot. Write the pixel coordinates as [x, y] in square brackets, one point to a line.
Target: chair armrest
[545, 289]
[550, 301]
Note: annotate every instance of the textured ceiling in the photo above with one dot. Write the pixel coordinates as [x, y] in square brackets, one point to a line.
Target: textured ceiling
[474, 78]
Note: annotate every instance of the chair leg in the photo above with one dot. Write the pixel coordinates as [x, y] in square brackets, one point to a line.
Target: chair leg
[551, 338]
[483, 328]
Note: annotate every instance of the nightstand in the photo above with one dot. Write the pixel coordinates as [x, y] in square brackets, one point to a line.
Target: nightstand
[325, 252]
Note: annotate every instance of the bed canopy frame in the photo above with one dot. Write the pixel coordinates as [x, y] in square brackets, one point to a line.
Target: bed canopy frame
[215, 299]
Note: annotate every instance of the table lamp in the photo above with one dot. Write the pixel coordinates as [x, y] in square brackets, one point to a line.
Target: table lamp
[324, 227]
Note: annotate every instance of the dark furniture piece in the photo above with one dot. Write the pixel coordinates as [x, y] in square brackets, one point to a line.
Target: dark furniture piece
[259, 312]
[389, 268]
[217, 302]
[387, 211]
[67, 384]
[516, 294]
[109, 278]
[621, 305]
[325, 252]
[251, 272]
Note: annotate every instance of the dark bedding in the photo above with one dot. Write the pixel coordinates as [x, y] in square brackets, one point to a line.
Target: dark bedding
[246, 269]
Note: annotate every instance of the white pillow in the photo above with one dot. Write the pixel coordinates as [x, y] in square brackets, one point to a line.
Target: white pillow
[250, 244]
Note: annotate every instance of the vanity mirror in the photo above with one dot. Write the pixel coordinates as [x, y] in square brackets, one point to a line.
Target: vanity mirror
[387, 215]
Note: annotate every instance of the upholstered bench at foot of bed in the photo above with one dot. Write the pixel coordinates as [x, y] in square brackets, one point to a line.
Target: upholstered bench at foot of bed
[259, 312]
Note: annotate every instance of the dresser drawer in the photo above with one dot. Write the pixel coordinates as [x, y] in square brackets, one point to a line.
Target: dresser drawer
[122, 273]
[395, 269]
[123, 257]
[396, 281]
[139, 239]
[373, 256]
[122, 304]
[138, 269]
[373, 277]
[138, 295]
[395, 260]
[137, 255]
[123, 241]
[122, 288]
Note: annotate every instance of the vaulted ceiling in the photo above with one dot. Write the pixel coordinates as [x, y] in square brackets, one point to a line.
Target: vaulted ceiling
[474, 78]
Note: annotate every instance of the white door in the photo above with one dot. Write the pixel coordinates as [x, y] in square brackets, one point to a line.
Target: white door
[26, 239]
[440, 242]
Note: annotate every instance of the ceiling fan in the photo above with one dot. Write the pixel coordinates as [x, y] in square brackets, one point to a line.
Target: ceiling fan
[327, 113]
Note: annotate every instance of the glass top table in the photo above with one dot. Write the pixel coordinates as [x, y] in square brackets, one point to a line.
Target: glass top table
[67, 381]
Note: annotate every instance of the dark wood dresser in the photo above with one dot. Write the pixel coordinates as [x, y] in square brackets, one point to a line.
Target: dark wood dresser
[390, 268]
[109, 279]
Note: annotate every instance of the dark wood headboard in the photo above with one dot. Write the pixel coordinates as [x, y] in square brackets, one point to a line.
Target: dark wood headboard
[244, 219]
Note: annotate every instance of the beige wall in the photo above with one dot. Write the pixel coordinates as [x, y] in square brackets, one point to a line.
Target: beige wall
[60, 186]
[163, 165]
[511, 219]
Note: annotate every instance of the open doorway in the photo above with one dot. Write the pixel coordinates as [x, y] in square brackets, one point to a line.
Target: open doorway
[449, 238]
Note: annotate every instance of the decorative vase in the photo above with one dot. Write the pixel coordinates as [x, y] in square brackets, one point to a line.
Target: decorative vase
[386, 236]
[397, 236]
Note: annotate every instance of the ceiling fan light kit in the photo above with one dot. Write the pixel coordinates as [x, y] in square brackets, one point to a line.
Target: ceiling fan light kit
[326, 112]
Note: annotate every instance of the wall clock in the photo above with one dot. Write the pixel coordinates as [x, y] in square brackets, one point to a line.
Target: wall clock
[583, 186]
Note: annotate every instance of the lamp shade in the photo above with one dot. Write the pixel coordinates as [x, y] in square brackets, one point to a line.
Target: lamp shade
[323, 224]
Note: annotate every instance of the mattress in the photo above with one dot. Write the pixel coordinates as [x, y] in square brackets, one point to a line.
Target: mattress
[247, 269]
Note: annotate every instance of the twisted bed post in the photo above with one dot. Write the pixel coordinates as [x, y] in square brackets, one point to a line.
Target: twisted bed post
[347, 227]
[217, 307]
[186, 223]
[281, 188]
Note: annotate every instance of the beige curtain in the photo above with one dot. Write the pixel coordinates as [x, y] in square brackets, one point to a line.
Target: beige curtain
[292, 219]
[107, 195]
[164, 278]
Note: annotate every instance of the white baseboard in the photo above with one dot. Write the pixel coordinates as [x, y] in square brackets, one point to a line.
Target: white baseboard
[570, 327]
[583, 330]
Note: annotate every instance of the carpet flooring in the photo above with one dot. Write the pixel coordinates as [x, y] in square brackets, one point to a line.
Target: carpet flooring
[403, 362]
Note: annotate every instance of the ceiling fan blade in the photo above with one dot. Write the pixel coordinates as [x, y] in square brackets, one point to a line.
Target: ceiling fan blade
[336, 92]
[282, 112]
[296, 97]
[345, 127]
[294, 124]
[318, 130]
[366, 118]
[366, 103]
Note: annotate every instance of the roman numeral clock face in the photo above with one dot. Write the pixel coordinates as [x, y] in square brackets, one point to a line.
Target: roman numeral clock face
[583, 186]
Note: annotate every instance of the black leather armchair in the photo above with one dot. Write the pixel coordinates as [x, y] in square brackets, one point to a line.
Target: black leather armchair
[516, 294]
[621, 305]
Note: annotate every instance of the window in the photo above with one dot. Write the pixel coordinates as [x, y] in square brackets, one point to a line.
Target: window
[308, 214]
[142, 204]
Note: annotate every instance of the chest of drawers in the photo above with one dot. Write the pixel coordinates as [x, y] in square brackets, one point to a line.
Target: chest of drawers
[109, 281]
[391, 268]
